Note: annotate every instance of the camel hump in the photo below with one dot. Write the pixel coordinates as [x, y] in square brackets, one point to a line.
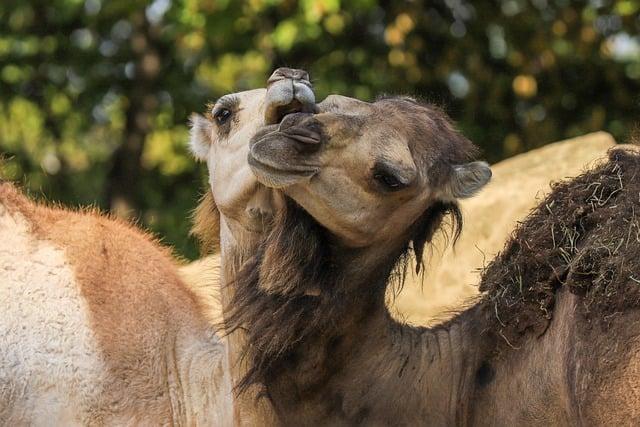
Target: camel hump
[44, 324]
[110, 295]
[585, 237]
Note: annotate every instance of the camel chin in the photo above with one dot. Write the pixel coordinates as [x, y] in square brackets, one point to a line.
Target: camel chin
[276, 178]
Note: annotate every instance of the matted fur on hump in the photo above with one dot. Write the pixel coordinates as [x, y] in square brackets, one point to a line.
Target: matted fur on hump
[584, 236]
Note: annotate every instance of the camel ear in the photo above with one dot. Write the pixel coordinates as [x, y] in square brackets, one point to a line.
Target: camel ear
[200, 137]
[466, 180]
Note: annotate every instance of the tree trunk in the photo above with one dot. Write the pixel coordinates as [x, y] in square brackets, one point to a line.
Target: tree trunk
[125, 173]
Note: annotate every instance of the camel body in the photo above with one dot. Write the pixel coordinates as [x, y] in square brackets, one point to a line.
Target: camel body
[551, 341]
[97, 328]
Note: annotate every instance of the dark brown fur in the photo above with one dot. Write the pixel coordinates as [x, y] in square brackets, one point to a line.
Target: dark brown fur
[585, 235]
[292, 288]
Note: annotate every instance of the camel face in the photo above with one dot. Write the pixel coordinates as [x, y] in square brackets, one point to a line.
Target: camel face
[367, 171]
[221, 139]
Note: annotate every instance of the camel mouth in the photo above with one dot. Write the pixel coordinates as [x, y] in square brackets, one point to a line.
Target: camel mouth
[294, 107]
[283, 154]
[287, 95]
[274, 175]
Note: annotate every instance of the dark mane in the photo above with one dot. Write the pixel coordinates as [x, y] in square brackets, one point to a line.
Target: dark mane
[293, 289]
[584, 236]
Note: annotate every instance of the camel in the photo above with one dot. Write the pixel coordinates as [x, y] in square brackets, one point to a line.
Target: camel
[364, 190]
[452, 274]
[97, 326]
[236, 209]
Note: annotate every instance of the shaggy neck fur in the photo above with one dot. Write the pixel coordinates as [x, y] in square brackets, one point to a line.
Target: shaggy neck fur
[321, 342]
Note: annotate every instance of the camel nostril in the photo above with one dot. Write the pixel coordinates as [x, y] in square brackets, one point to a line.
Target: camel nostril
[305, 132]
[289, 73]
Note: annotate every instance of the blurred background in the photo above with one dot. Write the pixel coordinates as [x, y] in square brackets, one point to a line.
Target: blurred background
[95, 94]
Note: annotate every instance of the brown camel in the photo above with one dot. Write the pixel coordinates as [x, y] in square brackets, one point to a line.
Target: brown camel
[452, 275]
[97, 327]
[366, 188]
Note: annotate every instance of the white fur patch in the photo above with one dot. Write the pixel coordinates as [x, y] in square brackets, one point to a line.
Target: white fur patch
[200, 137]
[50, 368]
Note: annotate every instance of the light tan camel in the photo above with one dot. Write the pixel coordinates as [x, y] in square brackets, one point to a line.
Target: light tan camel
[236, 209]
[369, 186]
[453, 273]
[97, 326]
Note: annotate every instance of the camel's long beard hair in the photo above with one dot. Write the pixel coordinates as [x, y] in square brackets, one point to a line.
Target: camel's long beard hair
[283, 294]
[294, 288]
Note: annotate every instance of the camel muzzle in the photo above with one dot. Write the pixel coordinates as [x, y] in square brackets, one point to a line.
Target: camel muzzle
[288, 91]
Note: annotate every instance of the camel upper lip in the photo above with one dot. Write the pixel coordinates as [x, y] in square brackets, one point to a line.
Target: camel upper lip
[268, 166]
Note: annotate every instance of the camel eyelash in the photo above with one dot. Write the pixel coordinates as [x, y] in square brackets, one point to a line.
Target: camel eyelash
[230, 103]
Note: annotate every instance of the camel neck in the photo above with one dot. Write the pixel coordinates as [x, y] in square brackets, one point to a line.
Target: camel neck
[235, 248]
[369, 369]
[322, 345]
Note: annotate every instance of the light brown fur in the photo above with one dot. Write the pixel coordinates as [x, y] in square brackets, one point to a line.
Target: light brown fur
[236, 207]
[155, 344]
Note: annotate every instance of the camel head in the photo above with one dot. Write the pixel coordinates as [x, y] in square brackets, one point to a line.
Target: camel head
[221, 139]
[365, 183]
[369, 172]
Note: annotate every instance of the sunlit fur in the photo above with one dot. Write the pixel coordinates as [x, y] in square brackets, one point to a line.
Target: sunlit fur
[97, 327]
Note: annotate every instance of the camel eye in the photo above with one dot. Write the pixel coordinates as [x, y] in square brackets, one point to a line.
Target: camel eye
[388, 181]
[222, 115]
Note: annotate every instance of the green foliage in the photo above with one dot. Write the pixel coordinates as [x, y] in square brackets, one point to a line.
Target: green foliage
[95, 94]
